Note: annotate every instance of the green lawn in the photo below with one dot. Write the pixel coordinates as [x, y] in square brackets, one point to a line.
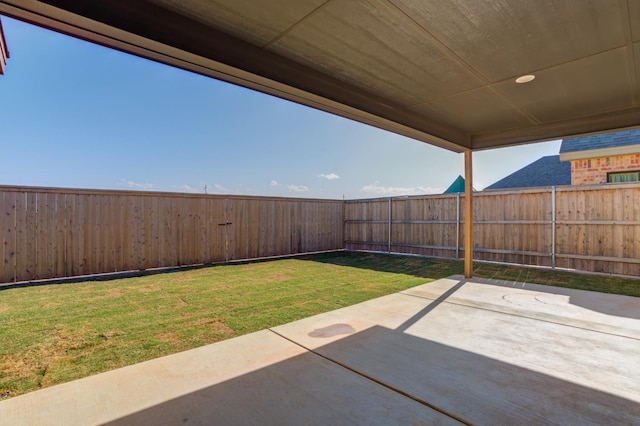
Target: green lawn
[55, 333]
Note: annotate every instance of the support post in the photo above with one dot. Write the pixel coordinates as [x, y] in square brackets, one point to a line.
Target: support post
[468, 214]
[553, 227]
[458, 225]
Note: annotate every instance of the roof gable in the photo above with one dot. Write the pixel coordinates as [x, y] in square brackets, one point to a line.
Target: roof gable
[546, 171]
[456, 186]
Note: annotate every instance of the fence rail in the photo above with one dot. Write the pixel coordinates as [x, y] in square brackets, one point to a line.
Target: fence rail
[51, 233]
[591, 228]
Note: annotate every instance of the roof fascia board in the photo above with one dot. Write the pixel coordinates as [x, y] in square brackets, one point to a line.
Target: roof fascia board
[4, 50]
[601, 152]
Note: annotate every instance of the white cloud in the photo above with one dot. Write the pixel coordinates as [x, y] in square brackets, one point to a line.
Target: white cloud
[330, 176]
[137, 185]
[220, 188]
[392, 191]
[185, 188]
[297, 188]
[273, 183]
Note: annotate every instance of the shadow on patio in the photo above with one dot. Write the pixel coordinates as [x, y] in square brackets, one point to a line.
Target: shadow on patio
[401, 379]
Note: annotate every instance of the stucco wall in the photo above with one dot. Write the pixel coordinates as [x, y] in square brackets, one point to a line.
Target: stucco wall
[594, 171]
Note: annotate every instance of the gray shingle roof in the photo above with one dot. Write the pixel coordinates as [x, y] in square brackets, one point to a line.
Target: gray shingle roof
[605, 140]
[546, 171]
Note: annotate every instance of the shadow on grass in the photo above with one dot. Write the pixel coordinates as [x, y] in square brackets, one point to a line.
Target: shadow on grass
[574, 280]
[434, 269]
[422, 267]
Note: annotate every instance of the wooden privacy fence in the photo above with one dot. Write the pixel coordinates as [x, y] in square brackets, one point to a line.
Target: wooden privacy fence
[50, 233]
[590, 228]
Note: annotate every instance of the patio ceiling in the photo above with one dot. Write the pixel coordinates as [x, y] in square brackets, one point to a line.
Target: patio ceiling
[442, 72]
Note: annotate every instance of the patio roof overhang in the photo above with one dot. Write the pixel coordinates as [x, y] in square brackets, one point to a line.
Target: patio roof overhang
[439, 72]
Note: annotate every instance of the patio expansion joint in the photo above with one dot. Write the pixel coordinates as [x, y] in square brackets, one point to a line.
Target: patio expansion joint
[373, 379]
[477, 306]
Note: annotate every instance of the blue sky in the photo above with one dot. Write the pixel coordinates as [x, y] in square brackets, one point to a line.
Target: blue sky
[79, 115]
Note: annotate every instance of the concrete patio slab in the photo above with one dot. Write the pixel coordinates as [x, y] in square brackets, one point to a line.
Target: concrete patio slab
[609, 313]
[466, 348]
[455, 350]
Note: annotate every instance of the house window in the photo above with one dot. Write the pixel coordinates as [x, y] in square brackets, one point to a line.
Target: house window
[619, 177]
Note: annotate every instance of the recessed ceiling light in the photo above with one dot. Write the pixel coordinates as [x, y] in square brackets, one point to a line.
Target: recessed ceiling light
[525, 78]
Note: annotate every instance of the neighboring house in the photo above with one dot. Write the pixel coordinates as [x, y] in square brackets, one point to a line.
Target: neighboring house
[456, 186]
[546, 171]
[4, 52]
[587, 160]
[608, 157]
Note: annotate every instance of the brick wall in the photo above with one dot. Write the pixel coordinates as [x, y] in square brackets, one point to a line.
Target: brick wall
[594, 171]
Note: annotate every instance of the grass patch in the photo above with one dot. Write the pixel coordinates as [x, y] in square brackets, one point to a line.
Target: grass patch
[52, 334]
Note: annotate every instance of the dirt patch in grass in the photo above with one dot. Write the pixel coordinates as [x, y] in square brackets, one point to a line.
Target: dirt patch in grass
[170, 337]
[22, 366]
[216, 326]
[276, 277]
[116, 292]
[33, 365]
[111, 334]
[149, 288]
